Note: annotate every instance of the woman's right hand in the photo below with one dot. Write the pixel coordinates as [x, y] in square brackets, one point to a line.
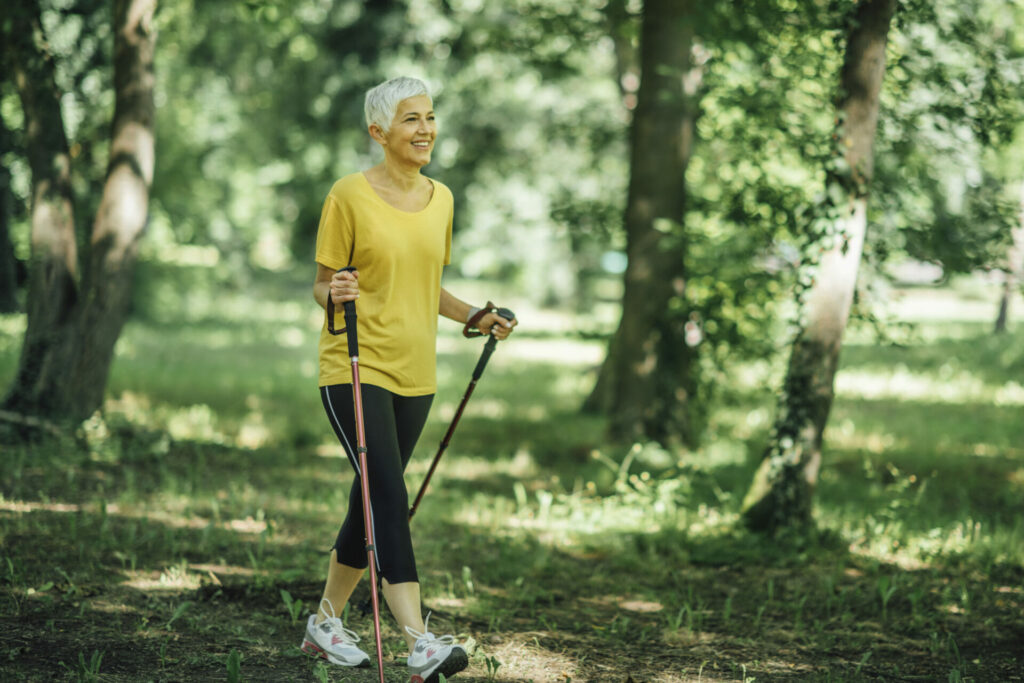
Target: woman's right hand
[345, 286]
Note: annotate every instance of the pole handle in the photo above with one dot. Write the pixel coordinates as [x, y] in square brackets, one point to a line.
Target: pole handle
[351, 330]
[350, 320]
[470, 331]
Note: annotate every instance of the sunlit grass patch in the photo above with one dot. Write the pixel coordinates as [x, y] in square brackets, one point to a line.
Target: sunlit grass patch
[984, 545]
[994, 359]
[912, 506]
[949, 386]
[175, 578]
[967, 301]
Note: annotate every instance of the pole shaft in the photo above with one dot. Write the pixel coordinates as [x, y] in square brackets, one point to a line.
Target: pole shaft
[441, 449]
[364, 483]
[485, 356]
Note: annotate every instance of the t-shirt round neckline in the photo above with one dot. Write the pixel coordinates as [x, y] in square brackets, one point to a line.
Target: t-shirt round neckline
[373, 191]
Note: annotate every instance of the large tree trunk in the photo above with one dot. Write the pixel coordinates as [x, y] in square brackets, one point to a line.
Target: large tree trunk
[645, 382]
[64, 367]
[1014, 272]
[53, 260]
[783, 486]
[124, 207]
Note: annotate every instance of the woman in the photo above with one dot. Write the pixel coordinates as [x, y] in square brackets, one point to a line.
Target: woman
[394, 225]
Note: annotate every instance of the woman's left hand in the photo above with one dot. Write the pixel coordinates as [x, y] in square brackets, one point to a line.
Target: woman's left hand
[492, 323]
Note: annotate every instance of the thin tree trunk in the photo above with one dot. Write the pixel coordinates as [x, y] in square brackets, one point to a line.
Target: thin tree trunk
[782, 491]
[1004, 303]
[618, 21]
[64, 369]
[644, 385]
[52, 268]
[8, 264]
[1014, 272]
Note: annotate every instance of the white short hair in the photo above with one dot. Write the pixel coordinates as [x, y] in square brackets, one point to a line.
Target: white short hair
[382, 100]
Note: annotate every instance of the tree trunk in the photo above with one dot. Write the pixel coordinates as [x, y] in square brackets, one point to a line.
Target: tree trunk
[644, 384]
[53, 262]
[63, 372]
[1004, 303]
[619, 22]
[8, 264]
[783, 486]
[1014, 272]
[124, 206]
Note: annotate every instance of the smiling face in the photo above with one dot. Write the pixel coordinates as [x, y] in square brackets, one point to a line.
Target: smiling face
[410, 139]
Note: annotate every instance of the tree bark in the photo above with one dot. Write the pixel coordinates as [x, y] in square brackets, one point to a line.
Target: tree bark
[782, 492]
[124, 206]
[53, 262]
[644, 385]
[619, 21]
[70, 341]
[8, 263]
[1013, 274]
[1004, 303]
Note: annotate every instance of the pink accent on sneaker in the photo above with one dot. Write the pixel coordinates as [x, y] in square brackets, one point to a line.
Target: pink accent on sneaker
[335, 640]
[430, 653]
[311, 648]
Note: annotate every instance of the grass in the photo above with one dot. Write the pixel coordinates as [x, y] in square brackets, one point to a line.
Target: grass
[183, 536]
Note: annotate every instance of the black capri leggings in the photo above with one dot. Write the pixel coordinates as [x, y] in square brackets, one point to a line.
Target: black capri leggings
[393, 424]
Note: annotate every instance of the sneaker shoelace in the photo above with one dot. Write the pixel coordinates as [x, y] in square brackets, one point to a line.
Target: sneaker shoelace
[428, 636]
[334, 624]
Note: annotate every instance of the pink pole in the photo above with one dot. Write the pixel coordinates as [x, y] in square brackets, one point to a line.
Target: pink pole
[364, 483]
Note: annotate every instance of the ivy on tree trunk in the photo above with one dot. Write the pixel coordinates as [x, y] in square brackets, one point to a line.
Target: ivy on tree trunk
[782, 492]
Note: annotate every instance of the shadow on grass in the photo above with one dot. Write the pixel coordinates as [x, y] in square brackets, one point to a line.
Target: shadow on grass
[213, 534]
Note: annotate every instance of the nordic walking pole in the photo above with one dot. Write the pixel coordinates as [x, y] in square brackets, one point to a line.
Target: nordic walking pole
[364, 479]
[489, 347]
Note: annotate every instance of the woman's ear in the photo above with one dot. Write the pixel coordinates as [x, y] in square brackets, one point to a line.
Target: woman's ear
[378, 134]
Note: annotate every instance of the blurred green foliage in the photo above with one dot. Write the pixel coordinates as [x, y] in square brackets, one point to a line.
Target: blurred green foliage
[952, 114]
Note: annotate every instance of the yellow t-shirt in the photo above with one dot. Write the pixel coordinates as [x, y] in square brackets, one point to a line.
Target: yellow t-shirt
[400, 256]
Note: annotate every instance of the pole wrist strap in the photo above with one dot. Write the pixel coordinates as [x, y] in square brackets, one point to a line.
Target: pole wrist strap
[470, 330]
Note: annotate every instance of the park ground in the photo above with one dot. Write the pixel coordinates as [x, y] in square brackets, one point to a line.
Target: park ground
[183, 535]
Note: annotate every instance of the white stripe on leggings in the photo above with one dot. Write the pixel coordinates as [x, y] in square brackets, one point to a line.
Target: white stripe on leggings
[355, 464]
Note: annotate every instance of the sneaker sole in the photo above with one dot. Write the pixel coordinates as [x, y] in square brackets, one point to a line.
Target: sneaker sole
[456, 662]
[311, 648]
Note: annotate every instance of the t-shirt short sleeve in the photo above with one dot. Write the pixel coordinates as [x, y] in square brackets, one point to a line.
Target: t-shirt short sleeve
[334, 236]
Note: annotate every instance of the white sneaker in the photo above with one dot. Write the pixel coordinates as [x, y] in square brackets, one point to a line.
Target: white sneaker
[432, 656]
[331, 641]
